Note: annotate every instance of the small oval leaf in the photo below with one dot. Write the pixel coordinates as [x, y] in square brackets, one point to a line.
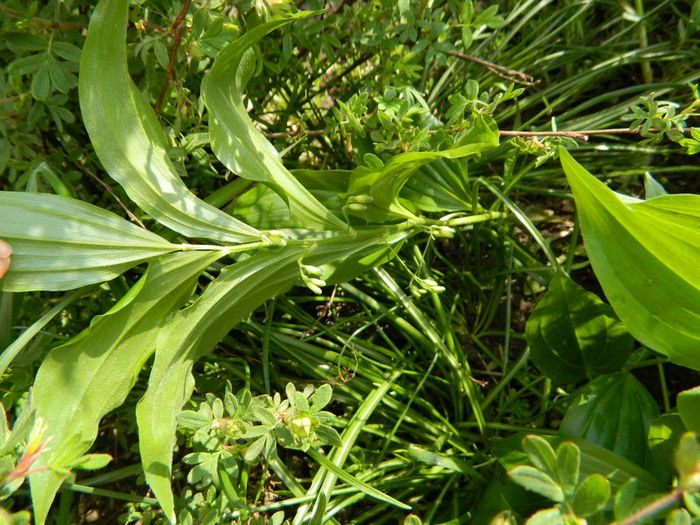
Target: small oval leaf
[591, 495]
[536, 481]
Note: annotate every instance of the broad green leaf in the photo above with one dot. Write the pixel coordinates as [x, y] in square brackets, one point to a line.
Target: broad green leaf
[615, 412]
[537, 481]
[664, 433]
[91, 462]
[689, 408]
[129, 141]
[678, 517]
[382, 185]
[321, 397]
[191, 333]
[95, 370]
[367, 248]
[573, 335]
[329, 435]
[591, 495]
[239, 145]
[41, 83]
[645, 255]
[263, 208]
[60, 243]
[440, 185]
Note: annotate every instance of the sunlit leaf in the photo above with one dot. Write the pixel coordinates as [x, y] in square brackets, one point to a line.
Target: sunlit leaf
[60, 243]
[664, 433]
[95, 370]
[239, 145]
[645, 255]
[191, 333]
[382, 185]
[129, 141]
[689, 408]
[536, 481]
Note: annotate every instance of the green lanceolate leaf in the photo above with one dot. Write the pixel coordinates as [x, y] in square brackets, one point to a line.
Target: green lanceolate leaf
[664, 433]
[689, 408]
[95, 371]
[573, 335]
[441, 185]
[129, 140]
[240, 146]
[380, 187]
[645, 255]
[191, 333]
[615, 412]
[60, 243]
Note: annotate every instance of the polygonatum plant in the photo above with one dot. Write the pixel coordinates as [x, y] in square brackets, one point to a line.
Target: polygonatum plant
[59, 243]
[645, 254]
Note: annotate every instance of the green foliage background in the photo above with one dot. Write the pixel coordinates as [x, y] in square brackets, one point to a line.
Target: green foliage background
[428, 355]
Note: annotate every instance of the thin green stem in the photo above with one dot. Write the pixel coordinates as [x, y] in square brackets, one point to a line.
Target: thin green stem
[84, 489]
[647, 74]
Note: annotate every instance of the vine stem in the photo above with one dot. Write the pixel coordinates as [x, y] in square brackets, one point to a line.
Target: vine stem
[518, 77]
[177, 37]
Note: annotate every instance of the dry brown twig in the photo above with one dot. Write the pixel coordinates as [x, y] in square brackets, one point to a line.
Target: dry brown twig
[506, 73]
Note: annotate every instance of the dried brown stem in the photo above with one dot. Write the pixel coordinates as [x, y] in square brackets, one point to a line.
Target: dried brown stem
[177, 37]
[504, 72]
